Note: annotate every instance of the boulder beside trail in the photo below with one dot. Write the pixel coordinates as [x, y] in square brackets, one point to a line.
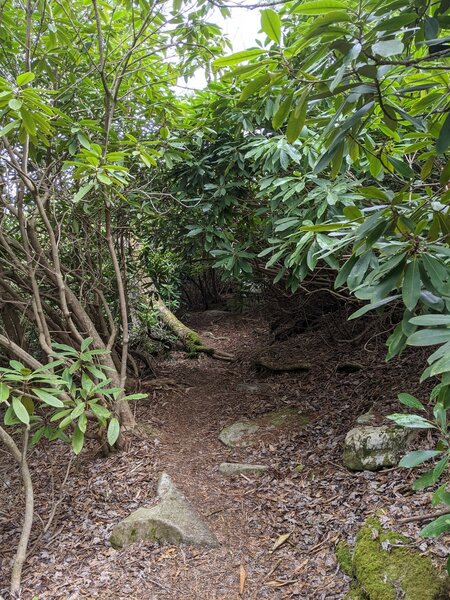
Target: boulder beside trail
[236, 469]
[383, 567]
[173, 521]
[370, 448]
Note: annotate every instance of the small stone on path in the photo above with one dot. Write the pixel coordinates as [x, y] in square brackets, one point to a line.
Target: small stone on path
[238, 435]
[173, 521]
[245, 432]
[235, 469]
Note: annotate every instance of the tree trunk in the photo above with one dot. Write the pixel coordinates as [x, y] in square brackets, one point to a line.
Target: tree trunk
[190, 339]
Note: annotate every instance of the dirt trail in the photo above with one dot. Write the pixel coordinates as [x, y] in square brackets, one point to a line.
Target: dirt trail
[307, 492]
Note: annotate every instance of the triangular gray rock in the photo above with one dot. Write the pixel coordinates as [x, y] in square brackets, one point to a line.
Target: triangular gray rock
[173, 521]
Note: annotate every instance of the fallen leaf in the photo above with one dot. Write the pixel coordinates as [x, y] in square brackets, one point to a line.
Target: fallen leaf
[281, 540]
[242, 578]
[277, 583]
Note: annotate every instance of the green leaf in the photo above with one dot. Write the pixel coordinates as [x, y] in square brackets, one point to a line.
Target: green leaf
[10, 417]
[82, 423]
[83, 140]
[77, 440]
[15, 104]
[436, 527]
[113, 431]
[252, 86]
[424, 481]
[83, 191]
[104, 179]
[24, 78]
[411, 285]
[236, 58]
[388, 48]
[60, 414]
[401, 167]
[411, 421]
[86, 343]
[319, 7]
[395, 23]
[100, 411]
[413, 459]
[441, 366]
[20, 410]
[431, 320]
[282, 112]
[135, 397]
[271, 24]
[7, 128]
[375, 305]
[429, 337]
[410, 401]
[78, 410]
[47, 397]
[4, 392]
[38, 434]
[297, 118]
[443, 140]
[345, 270]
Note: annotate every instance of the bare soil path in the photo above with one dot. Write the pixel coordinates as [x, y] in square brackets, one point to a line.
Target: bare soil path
[307, 492]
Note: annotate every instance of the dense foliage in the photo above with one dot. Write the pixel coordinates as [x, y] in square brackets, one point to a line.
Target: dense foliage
[329, 143]
[324, 146]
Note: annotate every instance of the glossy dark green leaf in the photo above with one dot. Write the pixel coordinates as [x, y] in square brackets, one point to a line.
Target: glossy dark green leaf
[373, 306]
[429, 337]
[411, 285]
[297, 118]
[282, 112]
[417, 457]
[436, 527]
[410, 401]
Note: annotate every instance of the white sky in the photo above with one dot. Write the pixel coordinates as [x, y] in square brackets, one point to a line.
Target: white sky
[242, 30]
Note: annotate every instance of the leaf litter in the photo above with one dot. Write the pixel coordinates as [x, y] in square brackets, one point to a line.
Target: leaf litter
[277, 532]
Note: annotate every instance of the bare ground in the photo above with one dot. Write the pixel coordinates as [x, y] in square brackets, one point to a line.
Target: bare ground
[307, 492]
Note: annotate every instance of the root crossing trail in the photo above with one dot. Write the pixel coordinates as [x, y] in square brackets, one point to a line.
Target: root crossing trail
[306, 493]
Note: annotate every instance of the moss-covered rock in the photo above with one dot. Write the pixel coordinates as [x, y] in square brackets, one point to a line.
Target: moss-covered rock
[371, 448]
[355, 593]
[173, 521]
[385, 569]
[344, 557]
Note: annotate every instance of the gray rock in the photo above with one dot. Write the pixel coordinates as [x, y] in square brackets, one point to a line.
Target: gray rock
[239, 434]
[235, 469]
[245, 432]
[250, 388]
[371, 448]
[367, 418]
[173, 521]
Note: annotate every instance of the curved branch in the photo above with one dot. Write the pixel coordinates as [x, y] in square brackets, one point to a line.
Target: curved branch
[21, 551]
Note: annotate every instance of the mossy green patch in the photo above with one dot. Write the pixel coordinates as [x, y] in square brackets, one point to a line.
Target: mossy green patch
[344, 557]
[355, 593]
[386, 569]
[283, 416]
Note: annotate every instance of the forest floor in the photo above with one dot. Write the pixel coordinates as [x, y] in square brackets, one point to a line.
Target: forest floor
[306, 493]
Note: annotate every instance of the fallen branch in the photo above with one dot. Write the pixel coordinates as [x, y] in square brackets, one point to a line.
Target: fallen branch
[190, 339]
[425, 517]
